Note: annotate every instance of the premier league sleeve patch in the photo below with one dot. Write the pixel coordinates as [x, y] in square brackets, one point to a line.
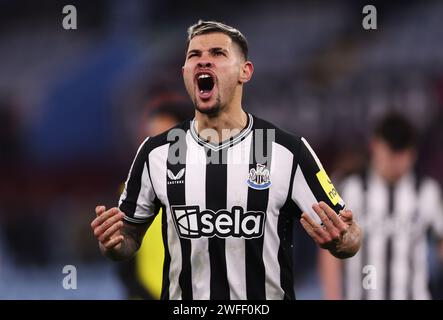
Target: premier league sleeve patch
[328, 187]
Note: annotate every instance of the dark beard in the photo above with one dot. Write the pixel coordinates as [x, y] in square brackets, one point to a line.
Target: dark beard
[212, 112]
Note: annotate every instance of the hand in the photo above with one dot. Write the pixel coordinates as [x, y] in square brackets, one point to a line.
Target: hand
[329, 236]
[107, 227]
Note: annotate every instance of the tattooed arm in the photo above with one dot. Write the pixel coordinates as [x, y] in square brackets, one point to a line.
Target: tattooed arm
[341, 235]
[118, 240]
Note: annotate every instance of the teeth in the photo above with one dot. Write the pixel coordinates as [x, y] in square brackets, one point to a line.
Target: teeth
[203, 76]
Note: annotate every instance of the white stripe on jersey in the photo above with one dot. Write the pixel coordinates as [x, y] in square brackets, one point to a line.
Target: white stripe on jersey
[158, 160]
[405, 207]
[124, 193]
[317, 160]
[145, 198]
[281, 159]
[237, 195]
[195, 193]
[420, 290]
[303, 195]
[377, 216]
[354, 200]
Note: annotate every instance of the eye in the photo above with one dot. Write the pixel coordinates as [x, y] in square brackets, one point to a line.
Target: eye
[219, 53]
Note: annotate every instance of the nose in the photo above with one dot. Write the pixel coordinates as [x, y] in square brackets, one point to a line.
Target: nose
[204, 64]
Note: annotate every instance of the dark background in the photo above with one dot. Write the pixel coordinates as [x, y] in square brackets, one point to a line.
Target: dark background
[70, 105]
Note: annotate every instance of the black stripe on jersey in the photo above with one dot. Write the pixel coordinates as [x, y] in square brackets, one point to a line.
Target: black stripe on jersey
[216, 185]
[177, 196]
[167, 259]
[414, 240]
[389, 245]
[257, 201]
[309, 167]
[285, 228]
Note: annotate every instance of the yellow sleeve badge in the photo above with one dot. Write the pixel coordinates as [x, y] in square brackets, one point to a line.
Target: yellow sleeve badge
[328, 187]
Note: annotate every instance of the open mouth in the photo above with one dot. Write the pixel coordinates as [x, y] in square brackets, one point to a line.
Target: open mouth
[205, 83]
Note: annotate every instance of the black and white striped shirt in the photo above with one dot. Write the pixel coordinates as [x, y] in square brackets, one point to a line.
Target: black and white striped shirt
[228, 209]
[392, 263]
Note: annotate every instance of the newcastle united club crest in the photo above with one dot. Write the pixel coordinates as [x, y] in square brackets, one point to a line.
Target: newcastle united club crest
[259, 178]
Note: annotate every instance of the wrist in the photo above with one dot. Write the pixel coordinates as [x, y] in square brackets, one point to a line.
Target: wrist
[116, 253]
[349, 244]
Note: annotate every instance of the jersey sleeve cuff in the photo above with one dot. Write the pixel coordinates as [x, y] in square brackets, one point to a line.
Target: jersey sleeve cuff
[135, 220]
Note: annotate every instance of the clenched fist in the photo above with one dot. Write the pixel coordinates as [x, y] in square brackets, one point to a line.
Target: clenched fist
[107, 227]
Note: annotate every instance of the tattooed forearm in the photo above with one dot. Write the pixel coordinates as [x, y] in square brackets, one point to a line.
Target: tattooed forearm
[133, 236]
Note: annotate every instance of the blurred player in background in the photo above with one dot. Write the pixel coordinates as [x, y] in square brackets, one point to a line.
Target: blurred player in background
[142, 275]
[396, 207]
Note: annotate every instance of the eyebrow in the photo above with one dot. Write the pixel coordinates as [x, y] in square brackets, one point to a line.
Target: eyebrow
[211, 50]
[193, 51]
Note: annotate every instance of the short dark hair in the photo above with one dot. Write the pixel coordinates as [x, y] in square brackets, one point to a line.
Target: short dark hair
[205, 27]
[397, 131]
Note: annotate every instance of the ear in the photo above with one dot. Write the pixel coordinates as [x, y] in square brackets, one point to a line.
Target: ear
[247, 69]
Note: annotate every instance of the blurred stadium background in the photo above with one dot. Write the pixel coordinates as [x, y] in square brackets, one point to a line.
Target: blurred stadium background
[71, 100]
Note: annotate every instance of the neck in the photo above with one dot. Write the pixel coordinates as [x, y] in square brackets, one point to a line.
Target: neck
[216, 128]
[386, 176]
